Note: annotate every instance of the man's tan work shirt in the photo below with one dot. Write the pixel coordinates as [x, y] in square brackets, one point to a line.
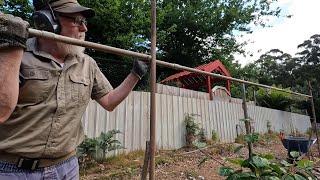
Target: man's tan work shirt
[52, 99]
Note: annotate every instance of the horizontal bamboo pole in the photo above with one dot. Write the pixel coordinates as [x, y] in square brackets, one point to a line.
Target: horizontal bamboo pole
[122, 52]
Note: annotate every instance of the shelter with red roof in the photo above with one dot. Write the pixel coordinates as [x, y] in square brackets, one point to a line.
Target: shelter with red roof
[191, 80]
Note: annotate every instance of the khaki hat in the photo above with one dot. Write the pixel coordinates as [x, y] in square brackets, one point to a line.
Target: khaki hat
[65, 6]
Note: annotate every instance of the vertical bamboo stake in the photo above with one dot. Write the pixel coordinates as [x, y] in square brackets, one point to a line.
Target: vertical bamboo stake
[246, 116]
[146, 162]
[314, 116]
[153, 90]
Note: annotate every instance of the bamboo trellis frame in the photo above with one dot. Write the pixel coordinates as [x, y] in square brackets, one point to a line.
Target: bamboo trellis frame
[154, 62]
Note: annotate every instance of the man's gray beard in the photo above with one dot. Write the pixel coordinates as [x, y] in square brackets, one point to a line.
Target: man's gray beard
[68, 49]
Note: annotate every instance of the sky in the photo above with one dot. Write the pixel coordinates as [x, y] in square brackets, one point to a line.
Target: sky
[286, 33]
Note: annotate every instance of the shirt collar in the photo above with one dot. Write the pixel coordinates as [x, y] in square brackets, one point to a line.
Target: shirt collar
[32, 46]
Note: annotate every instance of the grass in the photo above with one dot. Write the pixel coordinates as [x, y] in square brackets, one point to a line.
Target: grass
[123, 165]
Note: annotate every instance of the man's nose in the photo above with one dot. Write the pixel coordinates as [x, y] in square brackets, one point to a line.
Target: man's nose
[83, 28]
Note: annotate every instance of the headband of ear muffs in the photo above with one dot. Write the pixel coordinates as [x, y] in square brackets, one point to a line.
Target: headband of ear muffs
[45, 19]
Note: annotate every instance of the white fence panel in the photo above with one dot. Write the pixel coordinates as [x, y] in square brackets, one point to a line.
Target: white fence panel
[132, 116]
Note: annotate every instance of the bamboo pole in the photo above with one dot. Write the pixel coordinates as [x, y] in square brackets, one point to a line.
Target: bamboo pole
[246, 117]
[153, 74]
[315, 128]
[145, 57]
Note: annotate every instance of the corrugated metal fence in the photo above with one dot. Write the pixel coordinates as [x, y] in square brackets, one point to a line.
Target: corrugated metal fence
[131, 117]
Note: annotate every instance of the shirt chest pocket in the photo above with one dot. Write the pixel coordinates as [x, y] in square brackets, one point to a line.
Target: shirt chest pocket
[80, 88]
[35, 88]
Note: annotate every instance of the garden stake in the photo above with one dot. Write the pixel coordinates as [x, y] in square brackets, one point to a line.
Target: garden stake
[246, 117]
[146, 161]
[153, 74]
[314, 117]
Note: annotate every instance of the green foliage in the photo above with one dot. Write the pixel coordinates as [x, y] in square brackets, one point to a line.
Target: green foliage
[202, 135]
[192, 129]
[263, 167]
[191, 126]
[21, 8]
[252, 138]
[106, 142]
[88, 146]
[274, 99]
[188, 32]
[214, 136]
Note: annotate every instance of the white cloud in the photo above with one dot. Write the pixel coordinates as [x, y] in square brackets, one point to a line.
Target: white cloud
[287, 34]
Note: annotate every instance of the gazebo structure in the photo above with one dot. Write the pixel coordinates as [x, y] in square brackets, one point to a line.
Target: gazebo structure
[190, 80]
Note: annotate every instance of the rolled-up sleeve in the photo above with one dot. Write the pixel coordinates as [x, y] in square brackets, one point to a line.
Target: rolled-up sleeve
[101, 85]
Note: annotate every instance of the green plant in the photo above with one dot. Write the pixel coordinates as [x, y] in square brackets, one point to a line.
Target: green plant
[106, 142]
[202, 135]
[262, 167]
[87, 147]
[214, 136]
[274, 99]
[192, 129]
[85, 152]
[269, 126]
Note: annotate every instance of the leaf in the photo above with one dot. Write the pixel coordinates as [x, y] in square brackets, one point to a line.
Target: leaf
[225, 171]
[267, 156]
[279, 170]
[294, 154]
[243, 175]
[237, 149]
[288, 177]
[285, 163]
[260, 162]
[299, 177]
[236, 161]
[252, 138]
[305, 164]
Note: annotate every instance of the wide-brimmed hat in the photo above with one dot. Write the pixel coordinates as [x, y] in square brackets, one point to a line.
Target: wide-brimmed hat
[64, 6]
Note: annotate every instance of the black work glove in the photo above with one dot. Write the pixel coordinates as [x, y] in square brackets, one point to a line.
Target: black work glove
[139, 68]
[13, 31]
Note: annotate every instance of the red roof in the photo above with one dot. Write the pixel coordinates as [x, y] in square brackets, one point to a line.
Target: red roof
[215, 66]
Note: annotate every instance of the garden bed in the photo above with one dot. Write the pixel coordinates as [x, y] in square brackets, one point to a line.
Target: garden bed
[185, 163]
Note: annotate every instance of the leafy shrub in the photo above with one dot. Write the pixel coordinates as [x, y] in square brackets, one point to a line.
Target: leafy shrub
[261, 166]
[274, 99]
[106, 142]
[192, 129]
[214, 136]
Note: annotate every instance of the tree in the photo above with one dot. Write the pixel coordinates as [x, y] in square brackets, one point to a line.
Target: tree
[21, 8]
[189, 32]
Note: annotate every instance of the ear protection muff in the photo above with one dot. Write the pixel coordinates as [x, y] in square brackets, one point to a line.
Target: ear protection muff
[46, 20]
